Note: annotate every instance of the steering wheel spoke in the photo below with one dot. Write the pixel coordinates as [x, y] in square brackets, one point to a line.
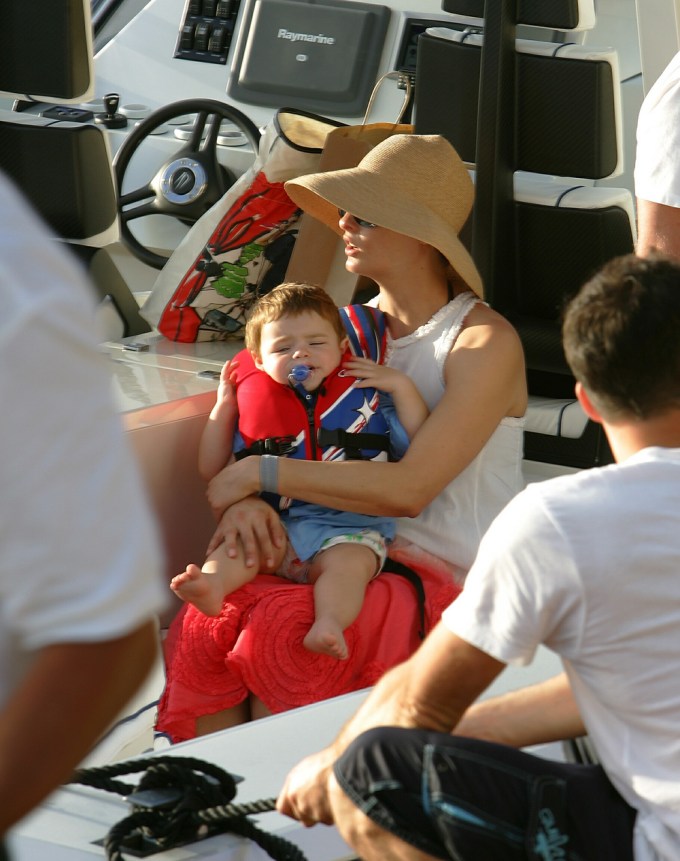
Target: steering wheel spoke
[209, 144]
[197, 131]
[189, 183]
[127, 215]
[130, 197]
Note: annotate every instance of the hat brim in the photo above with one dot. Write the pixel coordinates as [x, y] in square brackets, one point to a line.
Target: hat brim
[357, 191]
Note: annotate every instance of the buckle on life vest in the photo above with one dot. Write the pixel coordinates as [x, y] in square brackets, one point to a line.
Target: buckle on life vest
[353, 443]
[279, 446]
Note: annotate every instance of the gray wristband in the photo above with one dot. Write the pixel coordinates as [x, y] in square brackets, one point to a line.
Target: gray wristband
[269, 473]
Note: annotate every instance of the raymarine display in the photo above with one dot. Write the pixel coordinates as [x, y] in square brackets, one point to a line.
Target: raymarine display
[321, 56]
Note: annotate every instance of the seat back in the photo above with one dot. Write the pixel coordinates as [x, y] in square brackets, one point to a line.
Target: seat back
[62, 167]
[65, 172]
[59, 36]
[563, 233]
[540, 123]
[568, 15]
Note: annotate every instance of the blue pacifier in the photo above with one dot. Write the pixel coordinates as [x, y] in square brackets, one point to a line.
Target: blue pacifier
[299, 374]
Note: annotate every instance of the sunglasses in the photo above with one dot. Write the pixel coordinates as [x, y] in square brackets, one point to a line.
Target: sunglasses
[360, 221]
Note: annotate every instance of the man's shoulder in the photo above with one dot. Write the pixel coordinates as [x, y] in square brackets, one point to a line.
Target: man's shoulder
[590, 488]
[564, 485]
[565, 496]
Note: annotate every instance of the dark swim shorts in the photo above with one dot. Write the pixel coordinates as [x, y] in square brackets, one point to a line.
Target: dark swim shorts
[466, 800]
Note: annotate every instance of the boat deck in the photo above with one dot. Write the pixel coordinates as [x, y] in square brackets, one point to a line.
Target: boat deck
[68, 826]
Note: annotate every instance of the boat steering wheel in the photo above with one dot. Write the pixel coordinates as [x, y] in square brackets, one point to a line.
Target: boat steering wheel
[189, 183]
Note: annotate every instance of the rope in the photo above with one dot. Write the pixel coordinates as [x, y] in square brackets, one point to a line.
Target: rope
[192, 801]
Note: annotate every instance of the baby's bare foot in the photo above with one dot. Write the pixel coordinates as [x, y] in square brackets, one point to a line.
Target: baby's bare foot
[325, 636]
[199, 588]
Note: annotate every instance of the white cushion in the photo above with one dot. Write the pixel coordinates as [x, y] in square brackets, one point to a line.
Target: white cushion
[554, 417]
[553, 191]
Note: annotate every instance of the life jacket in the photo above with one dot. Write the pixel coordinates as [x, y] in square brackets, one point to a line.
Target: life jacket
[339, 421]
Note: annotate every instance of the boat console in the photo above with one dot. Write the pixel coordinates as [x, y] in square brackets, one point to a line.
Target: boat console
[142, 80]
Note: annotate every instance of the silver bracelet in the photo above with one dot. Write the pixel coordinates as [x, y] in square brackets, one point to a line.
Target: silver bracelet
[269, 473]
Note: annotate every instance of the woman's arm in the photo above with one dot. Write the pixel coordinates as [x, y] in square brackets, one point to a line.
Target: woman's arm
[484, 377]
[215, 448]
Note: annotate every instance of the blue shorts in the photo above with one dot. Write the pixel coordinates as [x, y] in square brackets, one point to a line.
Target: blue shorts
[462, 799]
[296, 569]
[309, 526]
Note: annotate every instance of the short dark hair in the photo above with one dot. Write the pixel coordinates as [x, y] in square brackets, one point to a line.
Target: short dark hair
[621, 336]
[290, 300]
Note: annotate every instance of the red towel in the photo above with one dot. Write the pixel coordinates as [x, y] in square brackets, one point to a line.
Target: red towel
[255, 645]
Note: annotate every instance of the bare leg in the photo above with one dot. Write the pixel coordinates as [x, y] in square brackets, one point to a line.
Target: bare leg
[340, 576]
[258, 709]
[369, 841]
[251, 708]
[223, 720]
[207, 587]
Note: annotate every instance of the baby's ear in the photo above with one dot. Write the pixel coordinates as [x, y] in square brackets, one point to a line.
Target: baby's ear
[344, 343]
[257, 361]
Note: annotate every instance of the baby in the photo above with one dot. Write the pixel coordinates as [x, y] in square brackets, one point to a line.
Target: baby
[297, 391]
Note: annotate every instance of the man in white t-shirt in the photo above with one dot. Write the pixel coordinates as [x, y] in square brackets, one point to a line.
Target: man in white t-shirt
[657, 165]
[80, 559]
[588, 564]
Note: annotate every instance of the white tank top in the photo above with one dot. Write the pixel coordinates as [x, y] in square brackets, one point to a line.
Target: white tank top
[452, 525]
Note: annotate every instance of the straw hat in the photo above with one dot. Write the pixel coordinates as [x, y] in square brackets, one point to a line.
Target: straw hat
[413, 184]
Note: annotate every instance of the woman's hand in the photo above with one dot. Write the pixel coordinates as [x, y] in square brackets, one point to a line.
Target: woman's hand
[305, 793]
[233, 483]
[254, 525]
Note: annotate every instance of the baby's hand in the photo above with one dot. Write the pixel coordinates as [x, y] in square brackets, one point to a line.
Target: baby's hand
[370, 374]
[227, 386]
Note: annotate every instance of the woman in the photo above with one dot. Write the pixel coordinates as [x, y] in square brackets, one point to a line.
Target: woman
[399, 212]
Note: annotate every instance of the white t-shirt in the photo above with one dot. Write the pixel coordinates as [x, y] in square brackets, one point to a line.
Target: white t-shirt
[589, 565]
[80, 555]
[657, 160]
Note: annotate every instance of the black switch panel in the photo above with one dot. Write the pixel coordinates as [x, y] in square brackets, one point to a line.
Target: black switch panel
[406, 55]
[206, 30]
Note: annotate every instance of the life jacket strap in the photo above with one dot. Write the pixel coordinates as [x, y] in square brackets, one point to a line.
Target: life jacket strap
[353, 443]
[276, 445]
[394, 567]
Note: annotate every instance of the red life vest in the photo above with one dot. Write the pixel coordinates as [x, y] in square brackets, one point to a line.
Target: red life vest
[336, 422]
